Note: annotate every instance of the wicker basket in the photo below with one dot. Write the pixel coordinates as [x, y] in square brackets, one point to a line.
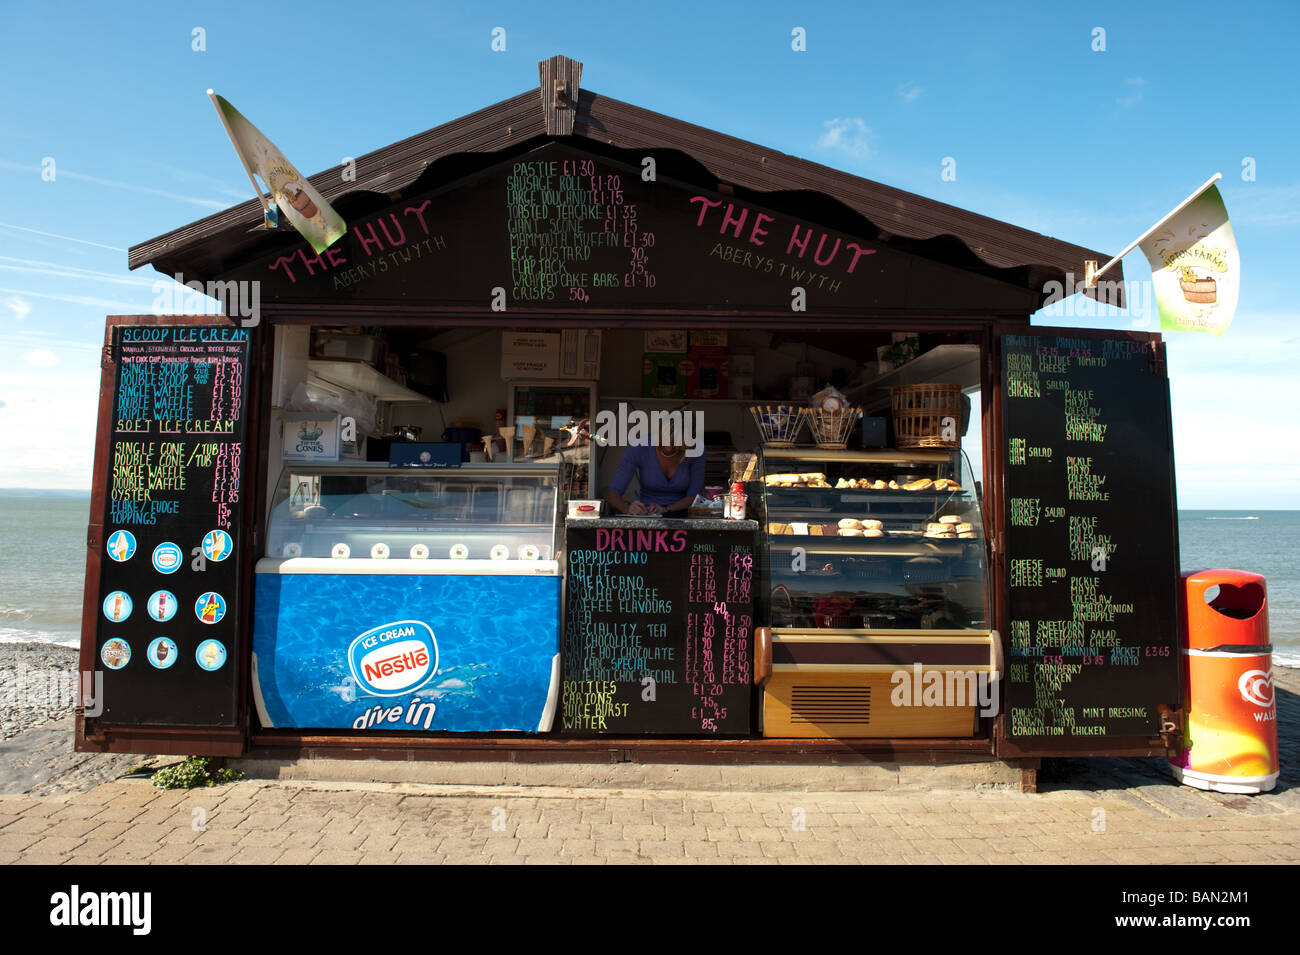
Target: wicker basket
[919, 411]
[779, 424]
[831, 429]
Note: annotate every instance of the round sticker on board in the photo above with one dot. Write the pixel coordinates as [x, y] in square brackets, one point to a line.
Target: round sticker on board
[167, 558]
[210, 607]
[116, 653]
[162, 605]
[121, 546]
[217, 545]
[162, 652]
[211, 655]
[117, 606]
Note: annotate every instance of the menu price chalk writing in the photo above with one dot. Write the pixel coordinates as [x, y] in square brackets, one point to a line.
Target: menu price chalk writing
[167, 628]
[1091, 542]
[562, 228]
[658, 631]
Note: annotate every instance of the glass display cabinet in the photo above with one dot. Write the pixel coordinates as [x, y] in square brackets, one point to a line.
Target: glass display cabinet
[877, 566]
[375, 512]
[874, 540]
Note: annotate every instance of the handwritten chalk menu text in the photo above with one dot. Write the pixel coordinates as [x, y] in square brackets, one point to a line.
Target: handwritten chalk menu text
[168, 618]
[1092, 547]
[562, 228]
[564, 218]
[658, 630]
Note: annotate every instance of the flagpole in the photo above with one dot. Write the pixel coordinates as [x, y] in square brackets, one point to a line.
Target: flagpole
[257, 191]
[1090, 279]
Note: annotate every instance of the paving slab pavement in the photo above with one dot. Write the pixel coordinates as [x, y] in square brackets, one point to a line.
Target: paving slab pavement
[1126, 811]
[303, 822]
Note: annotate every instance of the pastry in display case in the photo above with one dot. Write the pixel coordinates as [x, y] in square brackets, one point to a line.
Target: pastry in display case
[876, 564]
[874, 540]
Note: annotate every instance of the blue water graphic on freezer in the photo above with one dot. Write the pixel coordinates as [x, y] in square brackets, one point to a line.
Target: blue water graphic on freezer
[496, 638]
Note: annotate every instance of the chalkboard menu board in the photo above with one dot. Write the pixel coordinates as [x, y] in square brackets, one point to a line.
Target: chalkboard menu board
[561, 228]
[168, 621]
[658, 630]
[1092, 550]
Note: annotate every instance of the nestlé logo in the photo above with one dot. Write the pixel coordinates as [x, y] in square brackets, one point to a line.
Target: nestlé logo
[394, 658]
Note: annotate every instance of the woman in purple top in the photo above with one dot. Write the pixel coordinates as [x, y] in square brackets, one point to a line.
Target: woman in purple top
[669, 480]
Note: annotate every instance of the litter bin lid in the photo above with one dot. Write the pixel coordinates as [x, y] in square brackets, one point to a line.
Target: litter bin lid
[1225, 607]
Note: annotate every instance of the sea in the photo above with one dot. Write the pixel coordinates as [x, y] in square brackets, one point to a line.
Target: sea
[43, 564]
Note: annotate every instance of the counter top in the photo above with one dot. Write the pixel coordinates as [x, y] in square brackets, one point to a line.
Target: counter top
[657, 523]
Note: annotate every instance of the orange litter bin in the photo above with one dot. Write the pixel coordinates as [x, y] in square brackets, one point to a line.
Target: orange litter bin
[1231, 739]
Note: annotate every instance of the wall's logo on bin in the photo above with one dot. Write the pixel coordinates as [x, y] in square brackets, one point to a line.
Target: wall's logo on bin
[395, 658]
[1256, 687]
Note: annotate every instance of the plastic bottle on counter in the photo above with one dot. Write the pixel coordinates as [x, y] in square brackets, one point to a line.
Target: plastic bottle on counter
[736, 503]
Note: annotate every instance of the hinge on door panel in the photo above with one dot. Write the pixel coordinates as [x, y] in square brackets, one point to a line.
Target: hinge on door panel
[106, 357]
[1171, 727]
[1158, 359]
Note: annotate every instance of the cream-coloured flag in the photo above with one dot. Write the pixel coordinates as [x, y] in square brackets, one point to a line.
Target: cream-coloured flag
[304, 207]
[1195, 267]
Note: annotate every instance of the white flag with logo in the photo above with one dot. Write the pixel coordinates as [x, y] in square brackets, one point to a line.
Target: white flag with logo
[304, 207]
[1195, 267]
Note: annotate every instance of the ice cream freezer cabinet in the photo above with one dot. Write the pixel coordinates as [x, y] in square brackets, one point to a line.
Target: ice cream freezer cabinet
[409, 602]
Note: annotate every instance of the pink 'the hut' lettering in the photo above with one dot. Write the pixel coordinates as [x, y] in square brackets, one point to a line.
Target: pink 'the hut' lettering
[794, 241]
[419, 213]
[374, 239]
[728, 219]
[401, 233]
[283, 262]
[308, 262]
[817, 256]
[705, 205]
[756, 234]
[335, 256]
[857, 254]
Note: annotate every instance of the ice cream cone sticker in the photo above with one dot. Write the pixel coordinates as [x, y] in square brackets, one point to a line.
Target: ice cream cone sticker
[210, 654]
[301, 204]
[216, 545]
[1195, 267]
[210, 608]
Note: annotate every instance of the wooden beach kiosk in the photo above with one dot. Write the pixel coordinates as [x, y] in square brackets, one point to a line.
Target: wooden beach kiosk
[960, 542]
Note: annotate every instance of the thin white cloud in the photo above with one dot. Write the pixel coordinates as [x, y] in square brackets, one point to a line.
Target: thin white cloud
[1263, 206]
[849, 135]
[41, 339]
[909, 93]
[131, 307]
[55, 235]
[114, 184]
[40, 267]
[1136, 86]
[41, 358]
[20, 308]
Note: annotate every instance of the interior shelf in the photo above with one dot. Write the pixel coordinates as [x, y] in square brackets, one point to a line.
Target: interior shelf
[883, 456]
[958, 364]
[359, 376]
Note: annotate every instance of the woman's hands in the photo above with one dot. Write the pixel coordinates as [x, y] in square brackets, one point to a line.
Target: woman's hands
[636, 507]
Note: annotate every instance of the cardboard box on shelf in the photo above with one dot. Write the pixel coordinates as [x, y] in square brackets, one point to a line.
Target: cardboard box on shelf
[707, 377]
[740, 386]
[664, 376]
[708, 339]
[666, 341]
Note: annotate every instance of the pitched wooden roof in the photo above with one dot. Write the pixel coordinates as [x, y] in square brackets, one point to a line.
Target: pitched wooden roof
[1026, 258]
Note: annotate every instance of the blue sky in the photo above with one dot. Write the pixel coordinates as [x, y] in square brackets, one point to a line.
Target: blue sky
[1046, 132]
